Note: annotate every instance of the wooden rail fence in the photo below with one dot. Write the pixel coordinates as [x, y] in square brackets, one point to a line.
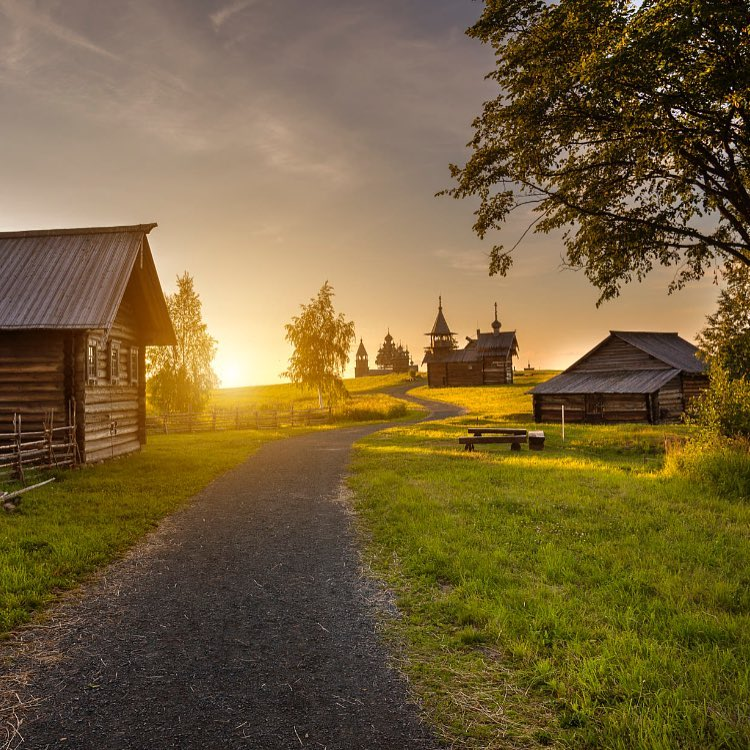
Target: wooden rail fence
[237, 419]
[50, 447]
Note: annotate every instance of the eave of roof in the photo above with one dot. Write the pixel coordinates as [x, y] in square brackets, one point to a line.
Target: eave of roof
[626, 382]
[75, 279]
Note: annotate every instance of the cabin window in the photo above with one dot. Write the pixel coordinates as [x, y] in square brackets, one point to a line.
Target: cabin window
[91, 361]
[114, 362]
[134, 365]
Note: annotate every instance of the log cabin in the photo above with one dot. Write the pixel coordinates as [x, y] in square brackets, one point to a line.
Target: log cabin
[485, 360]
[77, 309]
[629, 377]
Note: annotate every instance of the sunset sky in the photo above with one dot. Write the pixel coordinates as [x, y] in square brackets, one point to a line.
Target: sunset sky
[280, 144]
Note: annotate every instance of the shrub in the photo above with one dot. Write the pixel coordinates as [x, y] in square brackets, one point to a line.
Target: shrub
[724, 407]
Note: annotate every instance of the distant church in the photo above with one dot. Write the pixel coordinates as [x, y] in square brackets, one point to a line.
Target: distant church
[390, 358]
[485, 360]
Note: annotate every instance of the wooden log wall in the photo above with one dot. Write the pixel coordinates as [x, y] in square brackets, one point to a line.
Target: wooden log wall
[464, 374]
[547, 408]
[114, 408]
[671, 402]
[32, 377]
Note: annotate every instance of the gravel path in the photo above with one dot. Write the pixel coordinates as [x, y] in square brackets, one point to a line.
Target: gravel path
[243, 622]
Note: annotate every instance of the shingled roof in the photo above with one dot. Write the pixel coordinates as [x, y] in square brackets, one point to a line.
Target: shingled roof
[75, 279]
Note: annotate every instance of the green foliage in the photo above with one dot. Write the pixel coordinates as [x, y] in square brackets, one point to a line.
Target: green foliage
[721, 466]
[181, 378]
[625, 125]
[580, 597]
[321, 341]
[726, 337]
[724, 407]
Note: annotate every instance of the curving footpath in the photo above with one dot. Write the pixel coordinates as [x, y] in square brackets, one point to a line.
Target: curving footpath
[242, 622]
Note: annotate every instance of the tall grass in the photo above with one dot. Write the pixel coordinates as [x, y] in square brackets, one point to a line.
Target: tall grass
[593, 595]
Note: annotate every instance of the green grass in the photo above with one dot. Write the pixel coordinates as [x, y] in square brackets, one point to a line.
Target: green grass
[283, 395]
[584, 597]
[65, 531]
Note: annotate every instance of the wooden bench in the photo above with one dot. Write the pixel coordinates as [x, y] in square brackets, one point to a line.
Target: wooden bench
[489, 435]
[515, 440]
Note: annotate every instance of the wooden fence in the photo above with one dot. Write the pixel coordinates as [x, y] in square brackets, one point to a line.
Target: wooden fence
[23, 451]
[237, 419]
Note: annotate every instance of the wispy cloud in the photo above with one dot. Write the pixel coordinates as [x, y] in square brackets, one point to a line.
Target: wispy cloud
[221, 16]
[27, 16]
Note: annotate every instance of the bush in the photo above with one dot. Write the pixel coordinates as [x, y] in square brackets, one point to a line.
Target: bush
[723, 465]
[724, 408]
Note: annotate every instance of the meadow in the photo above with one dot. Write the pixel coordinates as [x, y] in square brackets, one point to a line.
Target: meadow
[593, 595]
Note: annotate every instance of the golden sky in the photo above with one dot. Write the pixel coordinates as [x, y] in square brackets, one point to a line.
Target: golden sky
[280, 144]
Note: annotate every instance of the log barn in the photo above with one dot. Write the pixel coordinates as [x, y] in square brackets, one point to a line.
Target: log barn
[77, 309]
[485, 360]
[629, 377]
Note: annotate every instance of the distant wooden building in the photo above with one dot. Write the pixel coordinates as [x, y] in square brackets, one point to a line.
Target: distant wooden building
[628, 377]
[77, 309]
[391, 358]
[485, 360]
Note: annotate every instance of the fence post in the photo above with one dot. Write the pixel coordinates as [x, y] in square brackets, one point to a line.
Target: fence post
[19, 463]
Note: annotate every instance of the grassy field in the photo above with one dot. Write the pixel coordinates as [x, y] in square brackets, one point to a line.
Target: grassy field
[581, 597]
[65, 531]
[283, 395]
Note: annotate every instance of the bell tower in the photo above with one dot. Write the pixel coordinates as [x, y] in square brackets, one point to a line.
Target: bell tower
[361, 366]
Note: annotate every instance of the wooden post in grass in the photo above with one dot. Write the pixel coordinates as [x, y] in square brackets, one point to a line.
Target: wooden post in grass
[562, 420]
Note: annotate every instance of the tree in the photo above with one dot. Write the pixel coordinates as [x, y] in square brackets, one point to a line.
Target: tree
[181, 377]
[623, 123]
[321, 341]
[726, 338]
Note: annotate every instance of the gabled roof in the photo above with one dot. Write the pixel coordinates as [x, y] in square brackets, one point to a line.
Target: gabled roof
[630, 382]
[667, 347]
[75, 279]
[487, 344]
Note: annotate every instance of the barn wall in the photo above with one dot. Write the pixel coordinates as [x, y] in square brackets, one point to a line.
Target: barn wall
[114, 410]
[617, 355]
[692, 387]
[496, 371]
[547, 408]
[32, 377]
[671, 405]
[436, 374]
[624, 408]
[464, 374]
[615, 408]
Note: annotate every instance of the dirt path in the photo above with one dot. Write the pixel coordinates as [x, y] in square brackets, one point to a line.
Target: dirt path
[243, 622]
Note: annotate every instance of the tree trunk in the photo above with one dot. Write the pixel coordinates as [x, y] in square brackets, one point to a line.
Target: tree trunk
[320, 398]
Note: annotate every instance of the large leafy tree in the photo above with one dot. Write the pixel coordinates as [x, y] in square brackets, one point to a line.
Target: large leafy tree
[321, 340]
[181, 377]
[726, 337]
[623, 123]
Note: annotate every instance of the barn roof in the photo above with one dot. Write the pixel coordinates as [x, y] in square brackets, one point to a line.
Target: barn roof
[667, 347]
[75, 279]
[485, 345]
[631, 381]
